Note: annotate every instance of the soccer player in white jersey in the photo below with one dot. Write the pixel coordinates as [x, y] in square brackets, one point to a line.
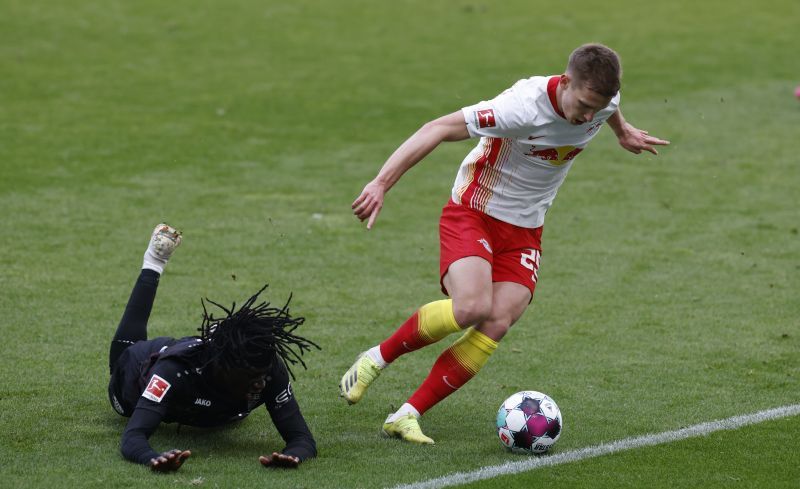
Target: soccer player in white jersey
[490, 230]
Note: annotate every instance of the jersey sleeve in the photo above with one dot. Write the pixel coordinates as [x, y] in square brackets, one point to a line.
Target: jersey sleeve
[135, 445]
[150, 410]
[163, 387]
[505, 116]
[614, 104]
[286, 416]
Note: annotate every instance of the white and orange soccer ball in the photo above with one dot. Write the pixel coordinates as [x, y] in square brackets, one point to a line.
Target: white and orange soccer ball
[529, 422]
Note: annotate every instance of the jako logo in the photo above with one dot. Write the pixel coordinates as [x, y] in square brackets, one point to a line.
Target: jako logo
[203, 402]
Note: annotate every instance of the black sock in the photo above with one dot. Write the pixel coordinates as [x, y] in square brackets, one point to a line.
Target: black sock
[133, 325]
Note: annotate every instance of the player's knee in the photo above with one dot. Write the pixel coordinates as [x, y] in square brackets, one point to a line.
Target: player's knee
[498, 323]
[471, 311]
[496, 327]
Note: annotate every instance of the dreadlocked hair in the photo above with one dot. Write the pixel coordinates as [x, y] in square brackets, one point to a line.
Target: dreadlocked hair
[253, 336]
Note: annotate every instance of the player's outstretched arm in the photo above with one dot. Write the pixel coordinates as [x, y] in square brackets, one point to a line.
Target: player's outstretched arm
[290, 423]
[279, 460]
[136, 448]
[170, 460]
[633, 139]
[451, 127]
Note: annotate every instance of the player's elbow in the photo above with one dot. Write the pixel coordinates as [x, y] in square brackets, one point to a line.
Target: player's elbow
[446, 128]
[433, 129]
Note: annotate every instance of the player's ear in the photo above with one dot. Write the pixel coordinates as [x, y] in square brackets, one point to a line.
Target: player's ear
[564, 80]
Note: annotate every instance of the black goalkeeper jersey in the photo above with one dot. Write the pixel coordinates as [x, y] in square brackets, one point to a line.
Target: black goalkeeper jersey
[161, 380]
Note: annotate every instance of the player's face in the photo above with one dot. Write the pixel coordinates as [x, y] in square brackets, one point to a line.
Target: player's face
[245, 383]
[579, 103]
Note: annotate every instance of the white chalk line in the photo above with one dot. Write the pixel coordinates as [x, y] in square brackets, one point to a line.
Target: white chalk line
[534, 463]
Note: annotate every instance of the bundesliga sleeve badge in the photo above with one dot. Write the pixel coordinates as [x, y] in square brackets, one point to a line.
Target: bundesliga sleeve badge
[485, 118]
[156, 389]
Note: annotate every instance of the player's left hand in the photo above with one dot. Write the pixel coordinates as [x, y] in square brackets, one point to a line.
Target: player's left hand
[169, 460]
[637, 140]
[279, 460]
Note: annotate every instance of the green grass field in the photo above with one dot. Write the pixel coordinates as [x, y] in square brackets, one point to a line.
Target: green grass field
[669, 285]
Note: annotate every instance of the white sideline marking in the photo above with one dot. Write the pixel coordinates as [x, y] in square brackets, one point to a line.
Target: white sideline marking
[534, 463]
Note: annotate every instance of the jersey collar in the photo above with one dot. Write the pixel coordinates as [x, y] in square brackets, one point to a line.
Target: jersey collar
[552, 86]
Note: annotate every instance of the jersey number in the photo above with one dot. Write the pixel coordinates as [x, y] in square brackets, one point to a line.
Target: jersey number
[530, 260]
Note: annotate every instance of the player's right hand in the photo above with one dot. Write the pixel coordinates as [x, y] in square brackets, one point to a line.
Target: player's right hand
[368, 205]
[169, 460]
[279, 460]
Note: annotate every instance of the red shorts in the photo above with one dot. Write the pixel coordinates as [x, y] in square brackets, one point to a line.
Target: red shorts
[512, 251]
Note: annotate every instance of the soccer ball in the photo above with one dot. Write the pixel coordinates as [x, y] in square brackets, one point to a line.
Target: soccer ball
[529, 422]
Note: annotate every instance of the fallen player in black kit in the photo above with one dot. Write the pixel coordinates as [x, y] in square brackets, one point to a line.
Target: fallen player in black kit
[238, 362]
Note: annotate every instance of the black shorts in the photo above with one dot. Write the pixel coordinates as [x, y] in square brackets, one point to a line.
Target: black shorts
[126, 383]
[115, 396]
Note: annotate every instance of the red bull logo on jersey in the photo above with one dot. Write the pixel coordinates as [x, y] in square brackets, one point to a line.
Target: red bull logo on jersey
[485, 118]
[556, 156]
[156, 389]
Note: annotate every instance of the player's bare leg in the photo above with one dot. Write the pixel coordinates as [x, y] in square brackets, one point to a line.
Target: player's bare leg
[469, 283]
[510, 300]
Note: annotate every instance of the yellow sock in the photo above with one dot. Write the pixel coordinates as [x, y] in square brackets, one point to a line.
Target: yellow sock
[429, 324]
[436, 320]
[473, 350]
[454, 368]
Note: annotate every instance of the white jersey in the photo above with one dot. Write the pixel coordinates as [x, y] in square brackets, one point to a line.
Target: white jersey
[526, 149]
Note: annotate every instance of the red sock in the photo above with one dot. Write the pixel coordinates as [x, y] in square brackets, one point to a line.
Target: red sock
[454, 367]
[446, 377]
[427, 325]
[404, 340]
